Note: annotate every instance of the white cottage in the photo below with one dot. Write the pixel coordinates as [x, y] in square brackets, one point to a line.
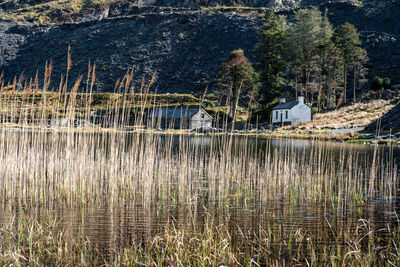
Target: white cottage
[183, 117]
[291, 113]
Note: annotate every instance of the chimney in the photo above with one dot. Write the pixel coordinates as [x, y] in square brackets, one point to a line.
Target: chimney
[301, 100]
[282, 100]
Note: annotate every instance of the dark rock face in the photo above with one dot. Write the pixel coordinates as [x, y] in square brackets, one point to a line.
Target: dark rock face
[10, 40]
[185, 47]
[377, 22]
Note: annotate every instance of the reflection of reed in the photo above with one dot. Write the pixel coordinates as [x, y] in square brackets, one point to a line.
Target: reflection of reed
[110, 229]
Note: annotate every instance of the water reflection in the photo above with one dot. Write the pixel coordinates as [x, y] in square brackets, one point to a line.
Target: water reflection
[298, 144]
[113, 226]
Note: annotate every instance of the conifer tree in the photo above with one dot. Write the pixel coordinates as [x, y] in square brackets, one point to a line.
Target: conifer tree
[271, 61]
[347, 39]
[330, 63]
[303, 46]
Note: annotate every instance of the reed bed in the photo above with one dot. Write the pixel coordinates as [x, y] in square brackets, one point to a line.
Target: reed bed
[41, 166]
[54, 150]
[46, 155]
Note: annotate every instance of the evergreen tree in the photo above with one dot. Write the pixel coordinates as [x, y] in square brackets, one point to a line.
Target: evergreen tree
[331, 72]
[271, 62]
[330, 63]
[347, 39]
[303, 46]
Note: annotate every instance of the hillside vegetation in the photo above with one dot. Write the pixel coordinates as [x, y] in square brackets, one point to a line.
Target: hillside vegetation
[357, 115]
[56, 11]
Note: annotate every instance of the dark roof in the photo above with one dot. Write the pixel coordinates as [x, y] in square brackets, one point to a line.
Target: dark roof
[174, 112]
[286, 105]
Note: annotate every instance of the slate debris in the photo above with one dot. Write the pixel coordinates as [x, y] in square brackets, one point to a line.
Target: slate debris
[184, 46]
[185, 49]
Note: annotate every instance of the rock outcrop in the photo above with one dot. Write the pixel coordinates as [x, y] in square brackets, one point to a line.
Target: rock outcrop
[184, 46]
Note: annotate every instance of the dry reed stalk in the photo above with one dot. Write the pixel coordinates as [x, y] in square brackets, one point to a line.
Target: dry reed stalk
[73, 166]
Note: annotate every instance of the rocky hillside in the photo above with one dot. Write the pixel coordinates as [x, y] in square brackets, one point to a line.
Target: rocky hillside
[277, 5]
[184, 46]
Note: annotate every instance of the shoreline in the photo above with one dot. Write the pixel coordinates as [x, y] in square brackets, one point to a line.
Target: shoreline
[362, 138]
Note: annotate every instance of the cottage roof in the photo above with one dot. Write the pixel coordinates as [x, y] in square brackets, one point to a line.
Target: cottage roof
[286, 105]
[183, 112]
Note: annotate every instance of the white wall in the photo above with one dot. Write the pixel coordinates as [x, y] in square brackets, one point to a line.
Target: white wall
[300, 113]
[281, 112]
[201, 120]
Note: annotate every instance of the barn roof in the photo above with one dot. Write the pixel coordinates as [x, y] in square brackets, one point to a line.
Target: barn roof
[286, 105]
[183, 112]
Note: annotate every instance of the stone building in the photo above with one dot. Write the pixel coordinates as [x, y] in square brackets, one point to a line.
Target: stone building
[291, 113]
[182, 117]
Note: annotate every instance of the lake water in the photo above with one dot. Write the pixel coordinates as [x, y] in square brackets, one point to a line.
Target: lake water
[112, 225]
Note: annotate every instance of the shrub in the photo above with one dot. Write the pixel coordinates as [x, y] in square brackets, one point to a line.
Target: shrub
[379, 84]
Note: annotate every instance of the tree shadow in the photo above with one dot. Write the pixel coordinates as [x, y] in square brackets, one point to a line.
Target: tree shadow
[389, 122]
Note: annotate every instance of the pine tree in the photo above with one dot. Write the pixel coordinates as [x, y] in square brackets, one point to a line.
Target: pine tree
[330, 65]
[303, 46]
[347, 39]
[331, 74]
[271, 61]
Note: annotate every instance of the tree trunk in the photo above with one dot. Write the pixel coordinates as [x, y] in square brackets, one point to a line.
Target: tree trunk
[328, 97]
[354, 85]
[235, 105]
[307, 80]
[344, 84]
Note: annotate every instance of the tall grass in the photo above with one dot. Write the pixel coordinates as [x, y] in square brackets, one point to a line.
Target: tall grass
[54, 149]
[61, 152]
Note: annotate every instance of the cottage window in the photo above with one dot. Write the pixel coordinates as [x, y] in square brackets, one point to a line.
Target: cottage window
[277, 115]
[287, 114]
[202, 116]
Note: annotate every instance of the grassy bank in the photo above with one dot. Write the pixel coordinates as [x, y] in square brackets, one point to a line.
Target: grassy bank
[357, 115]
[58, 11]
[95, 101]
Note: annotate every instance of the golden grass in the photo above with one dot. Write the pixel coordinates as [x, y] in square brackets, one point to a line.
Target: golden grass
[360, 114]
[43, 13]
[45, 163]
